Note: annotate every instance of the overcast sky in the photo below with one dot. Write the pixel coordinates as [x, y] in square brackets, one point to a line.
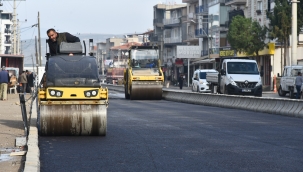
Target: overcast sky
[84, 16]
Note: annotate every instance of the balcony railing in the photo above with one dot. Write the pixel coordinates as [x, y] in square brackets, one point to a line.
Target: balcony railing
[235, 2]
[167, 57]
[204, 52]
[202, 9]
[191, 36]
[213, 2]
[191, 16]
[7, 42]
[214, 50]
[7, 31]
[202, 32]
[172, 40]
[155, 38]
[158, 21]
[189, 1]
[171, 21]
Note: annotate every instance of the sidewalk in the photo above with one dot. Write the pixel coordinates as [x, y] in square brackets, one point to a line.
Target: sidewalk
[11, 126]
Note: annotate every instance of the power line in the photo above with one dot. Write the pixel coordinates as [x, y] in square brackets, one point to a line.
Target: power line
[30, 41]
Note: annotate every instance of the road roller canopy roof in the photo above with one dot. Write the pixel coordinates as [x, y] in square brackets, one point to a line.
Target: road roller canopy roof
[144, 57]
[78, 70]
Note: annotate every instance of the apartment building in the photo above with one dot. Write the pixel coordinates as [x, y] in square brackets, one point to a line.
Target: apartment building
[6, 36]
[170, 32]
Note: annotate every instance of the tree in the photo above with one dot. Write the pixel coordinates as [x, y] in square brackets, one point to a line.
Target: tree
[280, 23]
[258, 34]
[246, 35]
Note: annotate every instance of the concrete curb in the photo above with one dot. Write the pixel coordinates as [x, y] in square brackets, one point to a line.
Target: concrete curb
[32, 163]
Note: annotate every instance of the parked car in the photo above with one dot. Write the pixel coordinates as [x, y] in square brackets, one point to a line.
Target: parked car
[288, 80]
[199, 83]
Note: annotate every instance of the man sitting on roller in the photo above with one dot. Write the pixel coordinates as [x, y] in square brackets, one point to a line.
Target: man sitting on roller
[55, 40]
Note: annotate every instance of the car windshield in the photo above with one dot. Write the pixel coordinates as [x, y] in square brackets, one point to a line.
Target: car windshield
[242, 68]
[144, 58]
[294, 72]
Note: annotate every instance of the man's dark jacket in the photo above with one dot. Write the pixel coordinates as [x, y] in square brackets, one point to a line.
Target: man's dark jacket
[4, 77]
[61, 37]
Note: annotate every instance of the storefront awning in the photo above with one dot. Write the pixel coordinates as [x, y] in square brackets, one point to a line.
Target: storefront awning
[204, 61]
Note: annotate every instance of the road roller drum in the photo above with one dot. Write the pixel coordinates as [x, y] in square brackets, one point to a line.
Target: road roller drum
[146, 90]
[73, 120]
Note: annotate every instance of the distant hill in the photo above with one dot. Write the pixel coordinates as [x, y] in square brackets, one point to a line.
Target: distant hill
[28, 46]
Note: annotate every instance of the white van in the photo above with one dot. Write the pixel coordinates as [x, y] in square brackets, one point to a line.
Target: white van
[199, 83]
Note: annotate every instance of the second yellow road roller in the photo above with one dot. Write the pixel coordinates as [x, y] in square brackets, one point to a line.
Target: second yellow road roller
[71, 99]
[143, 78]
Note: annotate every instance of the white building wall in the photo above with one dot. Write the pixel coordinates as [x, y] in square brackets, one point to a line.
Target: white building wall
[3, 34]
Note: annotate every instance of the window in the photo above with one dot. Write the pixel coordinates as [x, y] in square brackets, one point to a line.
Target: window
[259, 5]
[5, 16]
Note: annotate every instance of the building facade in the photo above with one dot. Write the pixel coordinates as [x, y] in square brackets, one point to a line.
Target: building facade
[6, 33]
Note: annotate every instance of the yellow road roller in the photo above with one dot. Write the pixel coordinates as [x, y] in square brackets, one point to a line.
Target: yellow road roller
[70, 97]
[143, 78]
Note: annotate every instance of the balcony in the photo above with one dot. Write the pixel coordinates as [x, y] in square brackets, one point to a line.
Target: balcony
[155, 38]
[202, 10]
[259, 12]
[213, 2]
[235, 2]
[214, 50]
[204, 53]
[201, 33]
[168, 57]
[171, 22]
[7, 42]
[189, 1]
[173, 40]
[191, 37]
[7, 31]
[158, 22]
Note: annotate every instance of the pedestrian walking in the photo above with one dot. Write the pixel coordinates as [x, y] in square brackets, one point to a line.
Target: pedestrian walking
[299, 82]
[4, 81]
[23, 81]
[30, 81]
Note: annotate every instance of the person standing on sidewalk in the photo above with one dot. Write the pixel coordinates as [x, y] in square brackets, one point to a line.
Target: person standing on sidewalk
[23, 81]
[181, 81]
[4, 80]
[299, 82]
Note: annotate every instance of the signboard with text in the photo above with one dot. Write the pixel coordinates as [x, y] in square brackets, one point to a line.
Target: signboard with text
[188, 52]
[226, 52]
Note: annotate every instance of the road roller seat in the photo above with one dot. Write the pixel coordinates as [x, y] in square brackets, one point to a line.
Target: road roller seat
[67, 48]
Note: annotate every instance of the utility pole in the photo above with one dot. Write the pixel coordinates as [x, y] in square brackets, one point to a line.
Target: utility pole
[19, 41]
[102, 58]
[161, 51]
[37, 58]
[294, 32]
[119, 54]
[40, 56]
[15, 29]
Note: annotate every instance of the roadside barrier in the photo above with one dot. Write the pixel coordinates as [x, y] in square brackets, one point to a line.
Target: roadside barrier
[286, 107]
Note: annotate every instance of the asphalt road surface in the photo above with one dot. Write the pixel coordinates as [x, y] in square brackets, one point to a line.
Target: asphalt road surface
[169, 136]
